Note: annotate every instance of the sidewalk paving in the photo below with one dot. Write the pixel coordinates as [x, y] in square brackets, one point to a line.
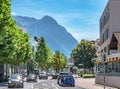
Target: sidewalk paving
[89, 83]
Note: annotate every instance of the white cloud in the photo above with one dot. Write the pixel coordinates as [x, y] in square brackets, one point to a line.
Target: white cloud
[80, 34]
[13, 13]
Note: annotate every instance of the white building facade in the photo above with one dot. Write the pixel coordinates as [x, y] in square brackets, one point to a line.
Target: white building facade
[109, 45]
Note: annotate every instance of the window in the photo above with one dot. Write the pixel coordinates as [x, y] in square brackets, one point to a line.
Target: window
[100, 26]
[106, 34]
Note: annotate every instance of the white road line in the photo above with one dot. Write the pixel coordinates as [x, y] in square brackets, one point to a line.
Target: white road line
[36, 83]
[54, 86]
[44, 84]
[33, 85]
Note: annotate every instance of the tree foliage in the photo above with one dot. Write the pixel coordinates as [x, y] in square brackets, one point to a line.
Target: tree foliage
[58, 61]
[42, 54]
[14, 44]
[83, 53]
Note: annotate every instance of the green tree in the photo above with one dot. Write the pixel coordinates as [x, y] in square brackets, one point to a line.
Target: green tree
[14, 44]
[83, 53]
[23, 50]
[64, 61]
[7, 31]
[58, 61]
[48, 64]
[42, 53]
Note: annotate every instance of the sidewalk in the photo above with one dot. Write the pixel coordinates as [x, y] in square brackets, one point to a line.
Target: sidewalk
[89, 83]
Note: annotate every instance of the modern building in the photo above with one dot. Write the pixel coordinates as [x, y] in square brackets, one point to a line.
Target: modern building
[109, 62]
[97, 45]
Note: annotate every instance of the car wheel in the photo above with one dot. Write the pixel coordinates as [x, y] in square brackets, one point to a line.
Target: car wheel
[57, 82]
[9, 87]
[73, 85]
[63, 85]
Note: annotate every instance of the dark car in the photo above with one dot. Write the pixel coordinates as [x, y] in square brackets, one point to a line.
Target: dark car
[67, 80]
[15, 80]
[54, 75]
[43, 75]
[60, 75]
[32, 77]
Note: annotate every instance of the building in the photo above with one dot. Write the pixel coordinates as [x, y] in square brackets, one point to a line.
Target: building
[109, 65]
[97, 45]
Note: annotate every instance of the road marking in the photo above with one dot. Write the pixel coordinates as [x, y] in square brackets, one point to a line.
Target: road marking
[54, 86]
[33, 85]
[36, 83]
[36, 88]
[44, 84]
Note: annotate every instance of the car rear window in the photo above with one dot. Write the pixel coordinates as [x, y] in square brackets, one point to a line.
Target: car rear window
[64, 73]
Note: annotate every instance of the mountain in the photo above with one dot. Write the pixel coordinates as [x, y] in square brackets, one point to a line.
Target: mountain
[56, 36]
[20, 26]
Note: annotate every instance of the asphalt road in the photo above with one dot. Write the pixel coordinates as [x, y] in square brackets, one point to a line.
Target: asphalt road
[41, 84]
[52, 84]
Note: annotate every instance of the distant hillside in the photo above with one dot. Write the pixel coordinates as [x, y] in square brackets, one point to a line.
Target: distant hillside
[56, 36]
[22, 27]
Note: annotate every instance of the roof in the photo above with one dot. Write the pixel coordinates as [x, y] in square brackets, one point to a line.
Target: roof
[115, 40]
[117, 35]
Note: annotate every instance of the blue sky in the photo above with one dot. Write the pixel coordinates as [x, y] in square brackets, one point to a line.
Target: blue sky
[79, 17]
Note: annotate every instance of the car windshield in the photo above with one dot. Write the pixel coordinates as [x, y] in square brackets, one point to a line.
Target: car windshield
[31, 75]
[16, 76]
[43, 73]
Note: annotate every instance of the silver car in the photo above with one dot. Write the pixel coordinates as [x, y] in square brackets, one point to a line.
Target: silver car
[43, 75]
[15, 80]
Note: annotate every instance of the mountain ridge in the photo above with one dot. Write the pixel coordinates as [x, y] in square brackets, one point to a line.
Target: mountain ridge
[56, 36]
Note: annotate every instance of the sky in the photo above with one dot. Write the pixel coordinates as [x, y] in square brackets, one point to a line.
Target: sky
[79, 17]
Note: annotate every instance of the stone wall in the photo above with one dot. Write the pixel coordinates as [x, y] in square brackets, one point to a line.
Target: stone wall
[112, 81]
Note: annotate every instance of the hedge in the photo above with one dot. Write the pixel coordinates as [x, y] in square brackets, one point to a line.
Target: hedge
[88, 75]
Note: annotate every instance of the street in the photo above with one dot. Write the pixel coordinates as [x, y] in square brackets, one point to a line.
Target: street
[41, 84]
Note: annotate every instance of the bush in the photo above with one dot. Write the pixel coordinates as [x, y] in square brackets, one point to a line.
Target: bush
[88, 75]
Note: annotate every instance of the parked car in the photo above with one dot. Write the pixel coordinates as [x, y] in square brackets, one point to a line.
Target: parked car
[15, 80]
[67, 80]
[54, 75]
[32, 77]
[60, 75]
[43, 75]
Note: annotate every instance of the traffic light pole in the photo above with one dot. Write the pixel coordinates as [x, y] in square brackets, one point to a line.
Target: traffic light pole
[104, 62]
[104, 76]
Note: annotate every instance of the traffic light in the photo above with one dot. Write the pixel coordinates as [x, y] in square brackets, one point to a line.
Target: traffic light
[104, 57]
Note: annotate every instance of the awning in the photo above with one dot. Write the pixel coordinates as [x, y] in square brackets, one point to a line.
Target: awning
[115, 40]
[117, 35]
